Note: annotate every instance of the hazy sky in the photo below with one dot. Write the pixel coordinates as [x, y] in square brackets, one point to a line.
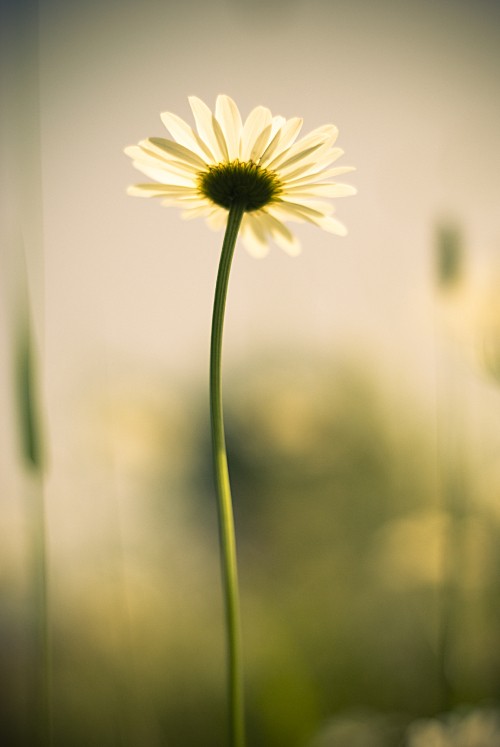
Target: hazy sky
[122, 283]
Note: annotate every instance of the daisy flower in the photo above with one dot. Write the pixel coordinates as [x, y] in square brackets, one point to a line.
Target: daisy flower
[258, 164]
[250, 178]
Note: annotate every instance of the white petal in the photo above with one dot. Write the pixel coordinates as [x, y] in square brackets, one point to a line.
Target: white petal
[218, 219]
[282, 235]
[317, 176]
[229, 117]
[278, 122]
[253, 236]
[179, 152]
[319, 206]
[176, 168]
[172, 197]
[265, 145]
[337, 171]
[197, 211]
[300, 213]
[304, 165]
[325, 135]
[332, 225]
[175, 189]
[270, 148]
[282, 140]
[187, 202]
[326, 132]
[152, 157]
[146, 190]
[208, 128]
[261, 143]
[163, 175]
[322, 190]
[136, 152]
[320, 160]
[295, 211]
[258, 119]
[147, 154]
[293, 159]
[185, 135]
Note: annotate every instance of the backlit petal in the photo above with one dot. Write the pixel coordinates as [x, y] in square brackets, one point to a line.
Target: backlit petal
[258, 119]
[208, 128]
[228, 115]
[185, 135]
[179, 152]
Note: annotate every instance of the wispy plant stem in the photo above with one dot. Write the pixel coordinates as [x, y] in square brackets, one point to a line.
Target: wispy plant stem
[32, 451]
[42, 662]
[224, 502]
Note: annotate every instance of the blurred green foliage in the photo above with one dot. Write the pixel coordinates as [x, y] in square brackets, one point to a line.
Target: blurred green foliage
[341, 530]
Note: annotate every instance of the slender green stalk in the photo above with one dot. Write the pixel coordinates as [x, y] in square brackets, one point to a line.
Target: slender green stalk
[224, 503]
[33, 454]
[42, 654]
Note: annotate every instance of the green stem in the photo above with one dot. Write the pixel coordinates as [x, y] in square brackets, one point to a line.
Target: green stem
[224, 503]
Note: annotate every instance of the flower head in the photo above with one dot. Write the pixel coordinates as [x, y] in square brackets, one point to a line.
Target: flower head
[258, 163]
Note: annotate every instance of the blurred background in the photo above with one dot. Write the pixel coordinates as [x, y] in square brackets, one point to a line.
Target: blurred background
[361, 383]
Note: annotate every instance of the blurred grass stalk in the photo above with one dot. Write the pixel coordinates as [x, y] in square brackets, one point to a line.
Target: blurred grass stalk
[33, 456]
[21, 257]
[452, 463]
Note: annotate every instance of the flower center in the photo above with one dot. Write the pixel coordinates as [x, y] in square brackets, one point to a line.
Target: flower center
[243, 182]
